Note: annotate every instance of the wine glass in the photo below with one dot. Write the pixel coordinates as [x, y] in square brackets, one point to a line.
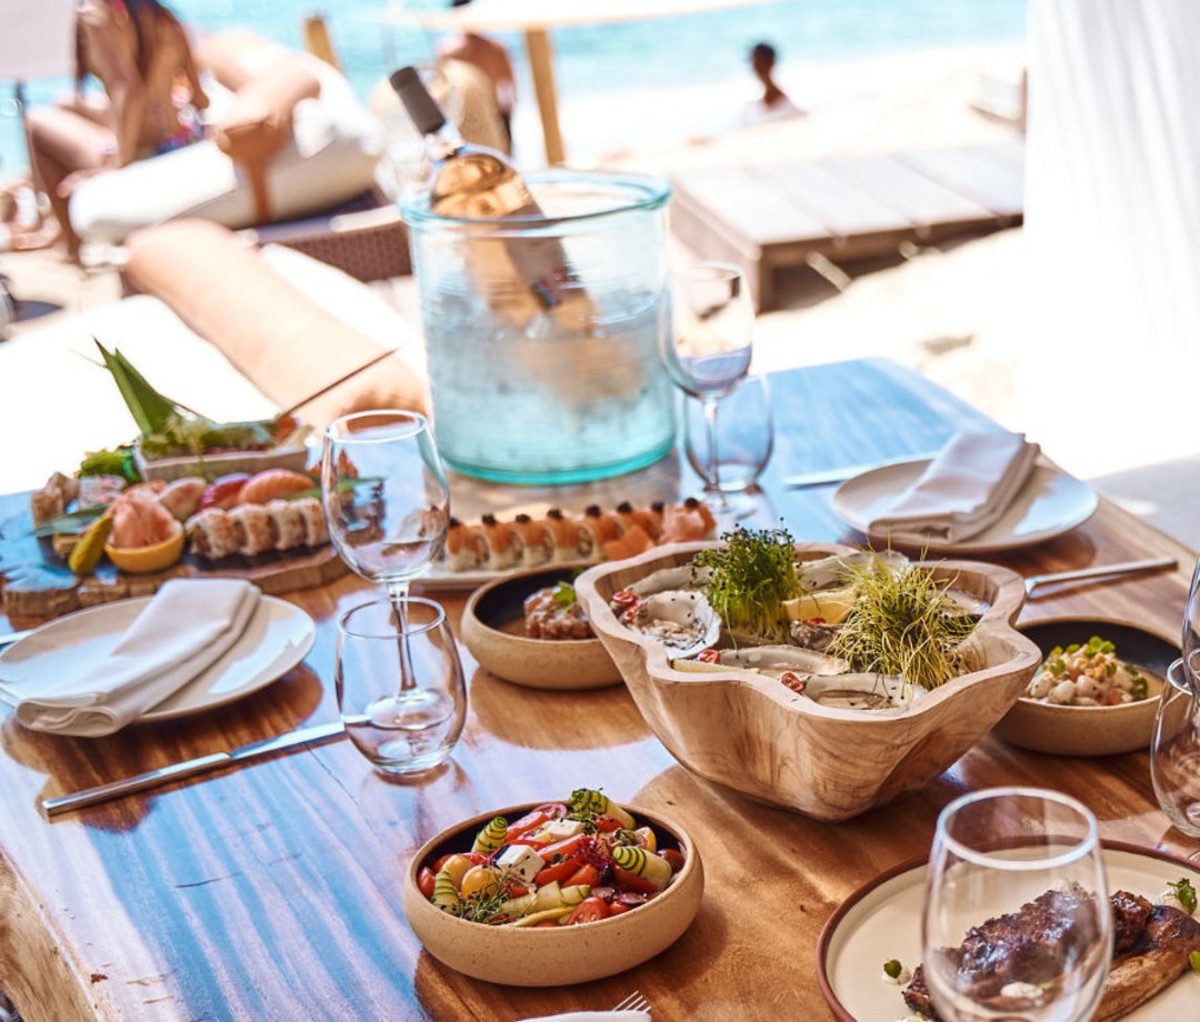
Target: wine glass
[388, 508]
[367, 682]
[994, 852]
[707, 354]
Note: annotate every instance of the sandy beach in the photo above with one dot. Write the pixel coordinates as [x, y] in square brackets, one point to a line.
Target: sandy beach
[956, 312]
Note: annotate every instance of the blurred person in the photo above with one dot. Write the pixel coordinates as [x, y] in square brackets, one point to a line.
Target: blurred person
[140, 54]
[773, 104]
[492, 58]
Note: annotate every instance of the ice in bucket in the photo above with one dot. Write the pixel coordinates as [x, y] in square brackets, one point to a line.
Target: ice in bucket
[542, 329]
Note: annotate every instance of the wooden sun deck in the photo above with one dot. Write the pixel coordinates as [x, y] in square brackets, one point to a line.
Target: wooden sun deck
[781, 215]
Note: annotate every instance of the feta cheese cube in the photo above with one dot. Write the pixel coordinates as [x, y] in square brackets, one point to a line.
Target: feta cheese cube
[520, 860]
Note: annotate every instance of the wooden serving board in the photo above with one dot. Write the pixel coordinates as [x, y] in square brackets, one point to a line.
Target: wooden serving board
[37, 585]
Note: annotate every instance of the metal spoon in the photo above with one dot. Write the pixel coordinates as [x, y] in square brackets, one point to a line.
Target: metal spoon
[1097, 571]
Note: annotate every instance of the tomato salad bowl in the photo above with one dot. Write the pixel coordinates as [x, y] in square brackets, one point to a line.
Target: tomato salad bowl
[583, 943]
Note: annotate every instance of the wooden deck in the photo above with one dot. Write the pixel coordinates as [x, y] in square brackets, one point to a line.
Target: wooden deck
[780, 215]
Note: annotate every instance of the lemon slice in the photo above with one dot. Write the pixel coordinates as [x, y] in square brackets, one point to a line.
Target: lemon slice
[140, 560]
[830, 604]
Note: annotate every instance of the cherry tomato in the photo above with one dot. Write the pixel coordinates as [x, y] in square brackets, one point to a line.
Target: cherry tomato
[617, 907]
[568, 847]
[536, 818]
[607, 824]
[590, 910]
[674, 857]
[425, 881]
[632, 882]
[586, 874]
[477, 859]
[559, 871]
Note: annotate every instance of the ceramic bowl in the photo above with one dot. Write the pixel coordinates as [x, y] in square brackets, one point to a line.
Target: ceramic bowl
[751, 733]
[493, 628]
[1091, 730]
[554, 957]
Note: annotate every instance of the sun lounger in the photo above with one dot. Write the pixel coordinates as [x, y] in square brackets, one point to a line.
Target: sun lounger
[779, 215]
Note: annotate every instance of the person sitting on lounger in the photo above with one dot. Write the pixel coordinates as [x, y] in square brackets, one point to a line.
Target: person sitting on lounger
[774, 103]
[140, 54]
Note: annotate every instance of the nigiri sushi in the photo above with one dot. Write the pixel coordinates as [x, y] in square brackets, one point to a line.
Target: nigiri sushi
[272, 483]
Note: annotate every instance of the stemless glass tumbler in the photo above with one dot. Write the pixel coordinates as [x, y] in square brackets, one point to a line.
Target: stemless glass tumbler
[994, 852]
[1175, 749]
[368, 681]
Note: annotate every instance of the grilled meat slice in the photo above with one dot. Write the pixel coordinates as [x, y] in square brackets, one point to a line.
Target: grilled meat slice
[1151, 948]
[1157, 958]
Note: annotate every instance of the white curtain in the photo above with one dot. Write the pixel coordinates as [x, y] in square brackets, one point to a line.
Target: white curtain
[1113, 220]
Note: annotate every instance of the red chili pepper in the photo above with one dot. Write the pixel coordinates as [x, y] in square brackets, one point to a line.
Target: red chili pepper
[709, 656]
[793, 682]
[625, 597]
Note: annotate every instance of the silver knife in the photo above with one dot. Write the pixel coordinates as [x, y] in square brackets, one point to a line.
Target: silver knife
[318, 734]
[840, 473]
[11, 637]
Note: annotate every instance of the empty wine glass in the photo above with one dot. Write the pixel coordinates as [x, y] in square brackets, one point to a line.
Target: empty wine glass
[707, 353]
[994, 852]
[388, 508]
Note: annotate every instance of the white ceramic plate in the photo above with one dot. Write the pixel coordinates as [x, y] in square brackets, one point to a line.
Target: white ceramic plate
[882, 921]
[277, 637]
[1051, 503]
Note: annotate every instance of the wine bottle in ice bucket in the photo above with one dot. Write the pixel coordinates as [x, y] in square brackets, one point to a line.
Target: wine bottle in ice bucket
[519, 277]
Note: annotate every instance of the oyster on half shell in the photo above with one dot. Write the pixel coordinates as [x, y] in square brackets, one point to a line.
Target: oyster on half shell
[681, 619]
[774, 660]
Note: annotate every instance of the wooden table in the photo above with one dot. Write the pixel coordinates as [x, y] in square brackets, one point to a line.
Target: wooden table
[273, 891]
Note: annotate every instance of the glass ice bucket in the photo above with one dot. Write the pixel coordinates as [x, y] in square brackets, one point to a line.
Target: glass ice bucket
[542, 332]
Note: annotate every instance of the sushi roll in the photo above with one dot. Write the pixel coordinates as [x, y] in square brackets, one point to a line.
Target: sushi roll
[571, 541]
[466, 549]
[288, 521]
[641, 518]
[212, 534]
[537, 540]
[503, 543]
[316, 532]
[603, 527]
[254, 529]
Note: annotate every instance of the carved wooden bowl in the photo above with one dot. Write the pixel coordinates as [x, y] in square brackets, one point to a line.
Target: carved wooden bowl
[536, 957]
[751, 733]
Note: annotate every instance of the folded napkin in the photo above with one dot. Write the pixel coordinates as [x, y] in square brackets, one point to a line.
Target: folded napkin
[962, 492]
[187, 626]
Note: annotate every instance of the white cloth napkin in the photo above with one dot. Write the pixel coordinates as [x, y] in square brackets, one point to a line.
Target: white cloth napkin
[962, 492]
[187, 626]
[594, 1016]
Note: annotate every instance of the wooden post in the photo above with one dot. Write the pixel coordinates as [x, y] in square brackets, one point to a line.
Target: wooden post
[317, 41]
[541, 65]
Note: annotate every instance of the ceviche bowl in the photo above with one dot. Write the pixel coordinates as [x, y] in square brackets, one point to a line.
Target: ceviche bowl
[1068, 730]
[816, 751]
[493, 629]
[558, 955]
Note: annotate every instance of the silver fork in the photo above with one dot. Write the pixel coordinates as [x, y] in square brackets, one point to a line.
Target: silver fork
[1097, 571]
[634, 1002]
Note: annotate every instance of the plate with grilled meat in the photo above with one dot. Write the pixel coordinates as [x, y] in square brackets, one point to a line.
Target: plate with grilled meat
[1151, 978]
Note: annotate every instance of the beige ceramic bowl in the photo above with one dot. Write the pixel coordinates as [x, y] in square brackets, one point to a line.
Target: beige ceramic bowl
[751, 733]
[554, 957]
[1091, 730]
[493, 628]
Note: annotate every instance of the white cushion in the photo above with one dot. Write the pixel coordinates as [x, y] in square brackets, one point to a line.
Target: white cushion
[330, 159]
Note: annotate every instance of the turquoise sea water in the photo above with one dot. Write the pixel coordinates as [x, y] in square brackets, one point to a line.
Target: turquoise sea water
[632, 60]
